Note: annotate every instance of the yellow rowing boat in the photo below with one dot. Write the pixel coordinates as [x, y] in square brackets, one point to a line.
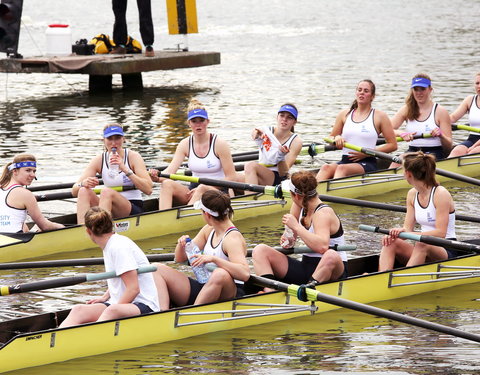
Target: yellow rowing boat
[36, 340]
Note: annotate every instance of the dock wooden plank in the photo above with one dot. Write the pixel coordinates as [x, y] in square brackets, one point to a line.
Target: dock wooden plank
[110, 64]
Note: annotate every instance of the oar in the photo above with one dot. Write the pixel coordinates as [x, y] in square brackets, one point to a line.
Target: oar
[68, 194]
[465, 127]
[396, 159]
[314, 295]
[276, 191]
[168, 257]
[432, 240]
[381, 141]
[384, 206]
[64, 281]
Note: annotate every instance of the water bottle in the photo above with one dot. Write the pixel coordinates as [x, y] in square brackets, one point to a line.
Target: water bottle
[201, 272]
[114, 170]
[289, 238]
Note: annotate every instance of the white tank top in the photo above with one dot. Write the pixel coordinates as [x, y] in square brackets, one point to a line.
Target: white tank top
[121, 179]
[217, 251]
[422, 127]
[210, 165]
[363, 133]
[426, 216]
[11, 219]
[266, 152]
[474, 115]
[335, 239]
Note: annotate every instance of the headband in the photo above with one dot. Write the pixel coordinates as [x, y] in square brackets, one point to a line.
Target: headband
[198, 205]
[22, 164]
[294, 189]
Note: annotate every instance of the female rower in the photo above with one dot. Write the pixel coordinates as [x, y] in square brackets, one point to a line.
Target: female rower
[279, 147]
[423, 116]
[130, 293]
[118, 166]
[15, 201]
[222, 245]
[429, 205]
[208, 156]
[470, 105]
[359, 125]
[318, 226]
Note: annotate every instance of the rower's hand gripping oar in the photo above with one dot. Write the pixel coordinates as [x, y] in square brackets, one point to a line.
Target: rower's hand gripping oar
[64, 281]
[314, 295]
[398, 160]
[432, 240]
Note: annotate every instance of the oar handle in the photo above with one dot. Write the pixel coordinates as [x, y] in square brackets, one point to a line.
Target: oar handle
[369, 151]
[465, 127]
[432, 240]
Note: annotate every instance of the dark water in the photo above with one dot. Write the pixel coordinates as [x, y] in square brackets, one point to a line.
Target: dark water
[311, 53]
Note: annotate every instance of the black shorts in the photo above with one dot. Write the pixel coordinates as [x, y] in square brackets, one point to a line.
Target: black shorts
[144, 309]
[300, 272]
[437, 151]
[196, 287]
[368, 164]
[452, 253]
[137, 206]
[277, 179]
[469, 142]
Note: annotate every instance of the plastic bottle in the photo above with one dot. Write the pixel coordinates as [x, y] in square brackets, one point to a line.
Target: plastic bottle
[201, 272]
[289, 238]
[114, 170]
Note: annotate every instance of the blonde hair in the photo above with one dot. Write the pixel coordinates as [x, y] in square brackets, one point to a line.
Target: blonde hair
[7, 173]
[413, 111]
[194, 104]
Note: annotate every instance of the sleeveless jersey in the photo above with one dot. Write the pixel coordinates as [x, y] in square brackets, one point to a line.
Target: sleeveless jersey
[11, 219]
[361, 133]
[210, 165]
[426, 216]
[120, 179]
[217, 251]
[266, 151]
[474, 115]
[335, 239]
[422, 127]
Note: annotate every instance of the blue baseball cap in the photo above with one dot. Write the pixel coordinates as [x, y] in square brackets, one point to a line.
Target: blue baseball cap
[199, 112]
[290, 109]
[421, 82]
[113, 130]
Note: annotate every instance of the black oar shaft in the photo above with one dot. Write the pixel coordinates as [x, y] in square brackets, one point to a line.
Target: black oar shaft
[357, 306]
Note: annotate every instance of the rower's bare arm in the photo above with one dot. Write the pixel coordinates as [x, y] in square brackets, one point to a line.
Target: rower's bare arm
[398, 119]
[88, 177]
[132, 288]
[295, 148]
[34, 211]
[409, 222]
[461, 110]
[140, 177]
[225, 156]
[386, 129]
[445, 126]
[320, 239]
[236, 248]
[337, 130]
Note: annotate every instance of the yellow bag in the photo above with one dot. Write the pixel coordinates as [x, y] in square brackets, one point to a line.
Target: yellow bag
[133, 45]
[102, 43]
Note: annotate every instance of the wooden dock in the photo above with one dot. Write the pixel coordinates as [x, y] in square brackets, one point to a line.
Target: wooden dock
[100, 68]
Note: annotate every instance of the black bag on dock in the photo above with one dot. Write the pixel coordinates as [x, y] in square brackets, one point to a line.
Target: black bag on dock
[82, 47]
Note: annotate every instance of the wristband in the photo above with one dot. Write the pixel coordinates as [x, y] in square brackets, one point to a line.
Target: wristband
[129, 173]
[80, 185]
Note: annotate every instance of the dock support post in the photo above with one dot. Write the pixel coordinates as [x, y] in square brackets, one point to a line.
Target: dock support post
[132, 81]
[99, 83]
